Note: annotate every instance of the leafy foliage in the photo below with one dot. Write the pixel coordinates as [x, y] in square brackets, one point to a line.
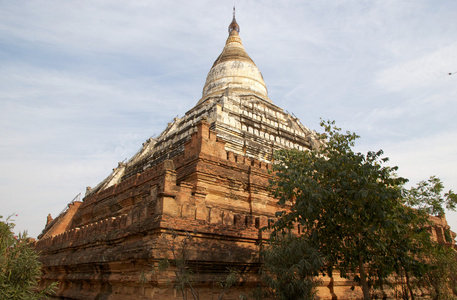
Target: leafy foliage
[438, 278]
[440, 281]
[20, 269]
[354, 210]
[286, 274]
[428, 197]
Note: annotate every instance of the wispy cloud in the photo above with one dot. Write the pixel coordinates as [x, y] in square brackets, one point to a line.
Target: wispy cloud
[419, 73]
[83, 84]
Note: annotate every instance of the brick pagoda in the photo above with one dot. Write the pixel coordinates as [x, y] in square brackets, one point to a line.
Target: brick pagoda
[204, 176]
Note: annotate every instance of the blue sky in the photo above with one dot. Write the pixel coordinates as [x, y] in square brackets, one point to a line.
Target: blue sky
[84, 83]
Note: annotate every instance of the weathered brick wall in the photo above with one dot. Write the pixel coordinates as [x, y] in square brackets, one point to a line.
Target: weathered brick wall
[219, 198]
[117, 234]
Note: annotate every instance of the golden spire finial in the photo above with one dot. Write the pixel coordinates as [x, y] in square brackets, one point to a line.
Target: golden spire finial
[234, 25]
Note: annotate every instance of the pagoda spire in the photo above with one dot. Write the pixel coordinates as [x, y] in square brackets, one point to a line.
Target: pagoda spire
[234, 25]
[234, 69]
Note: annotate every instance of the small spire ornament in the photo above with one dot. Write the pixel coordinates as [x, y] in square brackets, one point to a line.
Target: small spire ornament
[234, 25]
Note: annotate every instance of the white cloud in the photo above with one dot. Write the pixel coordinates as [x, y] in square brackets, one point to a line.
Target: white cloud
[83, 84]
[420, 72]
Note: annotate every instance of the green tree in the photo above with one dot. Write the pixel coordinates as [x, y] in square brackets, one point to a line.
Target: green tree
[20, 269]
[428, 197]
[286, 274]
[438, 279]
[348, 205]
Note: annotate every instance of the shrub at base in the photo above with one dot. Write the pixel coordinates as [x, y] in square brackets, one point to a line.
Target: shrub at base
[20, 269]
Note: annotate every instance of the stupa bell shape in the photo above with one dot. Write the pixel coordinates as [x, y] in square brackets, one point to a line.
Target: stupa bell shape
[234, 70]
[236, 106]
